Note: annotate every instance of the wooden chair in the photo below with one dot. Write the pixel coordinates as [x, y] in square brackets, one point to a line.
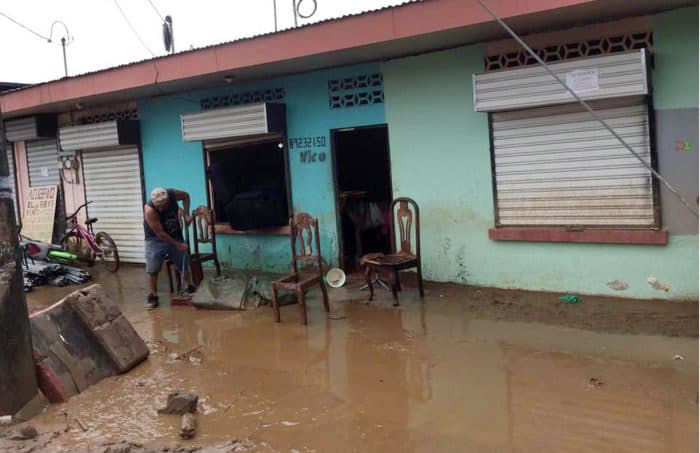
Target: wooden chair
[203, 233]
[303, 233]
[404, 257]
[169, 265]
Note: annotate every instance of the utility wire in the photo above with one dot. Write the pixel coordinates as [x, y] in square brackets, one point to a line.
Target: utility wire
[25, 27]
[133, 29]
[586, 106]
[156, 10]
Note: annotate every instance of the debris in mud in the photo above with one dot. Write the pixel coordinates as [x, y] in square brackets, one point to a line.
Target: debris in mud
[122, 447]
[570, 298]
[188, 426]
[195, 355]
[80, 424]
[156, 346]
[677, 357]
[179, 403]
[658, 284]
[237, 445]
[618, 285]
[595, 383]
[337, 317]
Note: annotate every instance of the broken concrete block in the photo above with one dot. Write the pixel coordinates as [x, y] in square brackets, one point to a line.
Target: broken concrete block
[188, 426]
[122, 343]
[179, 403]
[112, 330]
[93, 306]
[67, 356]
[32, 408]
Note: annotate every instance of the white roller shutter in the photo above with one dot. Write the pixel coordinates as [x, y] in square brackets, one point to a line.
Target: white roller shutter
[113, 184]
[42, 162]
[606, 76]
[13, 184]
[556, 166]
[240, 121]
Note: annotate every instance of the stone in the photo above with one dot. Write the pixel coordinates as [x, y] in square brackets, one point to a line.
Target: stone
[179, 403]
[24, 433]
[29, 432]
[188, 426]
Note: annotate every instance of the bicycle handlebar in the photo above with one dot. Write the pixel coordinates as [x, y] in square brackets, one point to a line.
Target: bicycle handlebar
[78, 210]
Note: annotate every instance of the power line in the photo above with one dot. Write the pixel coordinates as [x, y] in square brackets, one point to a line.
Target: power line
[133, 29]
[156, 10]
[586, 106]
[25, 27]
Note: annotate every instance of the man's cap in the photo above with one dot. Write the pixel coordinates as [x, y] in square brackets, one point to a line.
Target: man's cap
[159, 195]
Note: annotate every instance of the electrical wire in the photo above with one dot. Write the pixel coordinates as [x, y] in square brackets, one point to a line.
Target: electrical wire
[586, 106]
[133, 29]
[25, 27]
[156, 10]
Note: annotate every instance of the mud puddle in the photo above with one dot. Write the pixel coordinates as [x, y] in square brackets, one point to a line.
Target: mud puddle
[449, 374]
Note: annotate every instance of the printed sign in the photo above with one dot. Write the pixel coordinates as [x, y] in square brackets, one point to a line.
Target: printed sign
[39, 213]
[582, 80]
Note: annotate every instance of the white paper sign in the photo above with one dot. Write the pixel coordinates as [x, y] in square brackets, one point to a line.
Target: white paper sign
[582, 80]
[44, 171]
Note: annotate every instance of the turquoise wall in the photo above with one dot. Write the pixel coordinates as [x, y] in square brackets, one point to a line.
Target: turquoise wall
[170, 162]
[441, 158]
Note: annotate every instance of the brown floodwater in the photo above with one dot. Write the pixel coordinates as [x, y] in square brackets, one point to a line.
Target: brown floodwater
[466, 370]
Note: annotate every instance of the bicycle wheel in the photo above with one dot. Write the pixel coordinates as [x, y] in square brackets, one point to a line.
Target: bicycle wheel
[76, 245]
[108, 251]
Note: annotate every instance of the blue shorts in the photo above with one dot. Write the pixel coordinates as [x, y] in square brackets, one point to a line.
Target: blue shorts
[158, 251]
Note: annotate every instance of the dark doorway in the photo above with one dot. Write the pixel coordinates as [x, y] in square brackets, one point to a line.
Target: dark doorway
[363, 180]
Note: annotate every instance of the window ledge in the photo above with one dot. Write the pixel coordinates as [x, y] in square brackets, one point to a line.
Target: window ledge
[595, 236]
[222, 228]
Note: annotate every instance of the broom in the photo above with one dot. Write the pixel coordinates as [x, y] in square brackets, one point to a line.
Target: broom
[181, 299]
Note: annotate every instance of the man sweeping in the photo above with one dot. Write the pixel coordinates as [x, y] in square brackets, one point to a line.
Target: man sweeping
[164, 239]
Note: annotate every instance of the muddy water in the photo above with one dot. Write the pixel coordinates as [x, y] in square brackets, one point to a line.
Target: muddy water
[432, 376]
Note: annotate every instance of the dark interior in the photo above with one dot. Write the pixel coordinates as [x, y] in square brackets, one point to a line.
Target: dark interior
[249, 186]
[364, 191]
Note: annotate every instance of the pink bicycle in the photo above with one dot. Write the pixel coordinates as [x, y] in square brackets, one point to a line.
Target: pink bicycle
[87, 246]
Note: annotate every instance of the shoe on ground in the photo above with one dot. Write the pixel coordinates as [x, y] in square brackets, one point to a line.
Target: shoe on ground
[152, 302]
[190, 290]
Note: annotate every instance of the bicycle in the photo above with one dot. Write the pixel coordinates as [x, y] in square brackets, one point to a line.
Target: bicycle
[86, 245]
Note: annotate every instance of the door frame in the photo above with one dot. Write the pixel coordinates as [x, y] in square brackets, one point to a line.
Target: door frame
[336, 192]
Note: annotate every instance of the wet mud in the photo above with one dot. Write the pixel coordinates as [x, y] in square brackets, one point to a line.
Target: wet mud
[467, 369]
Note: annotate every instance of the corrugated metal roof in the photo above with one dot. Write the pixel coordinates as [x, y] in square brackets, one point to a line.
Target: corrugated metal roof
[224, 43]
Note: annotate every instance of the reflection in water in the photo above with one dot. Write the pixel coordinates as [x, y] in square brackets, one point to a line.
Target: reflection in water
[423, 377]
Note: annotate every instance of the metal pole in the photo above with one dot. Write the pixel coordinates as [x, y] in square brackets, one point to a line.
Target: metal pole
[65, 62]
[17, 375]
[294, 9]
[274, 11]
